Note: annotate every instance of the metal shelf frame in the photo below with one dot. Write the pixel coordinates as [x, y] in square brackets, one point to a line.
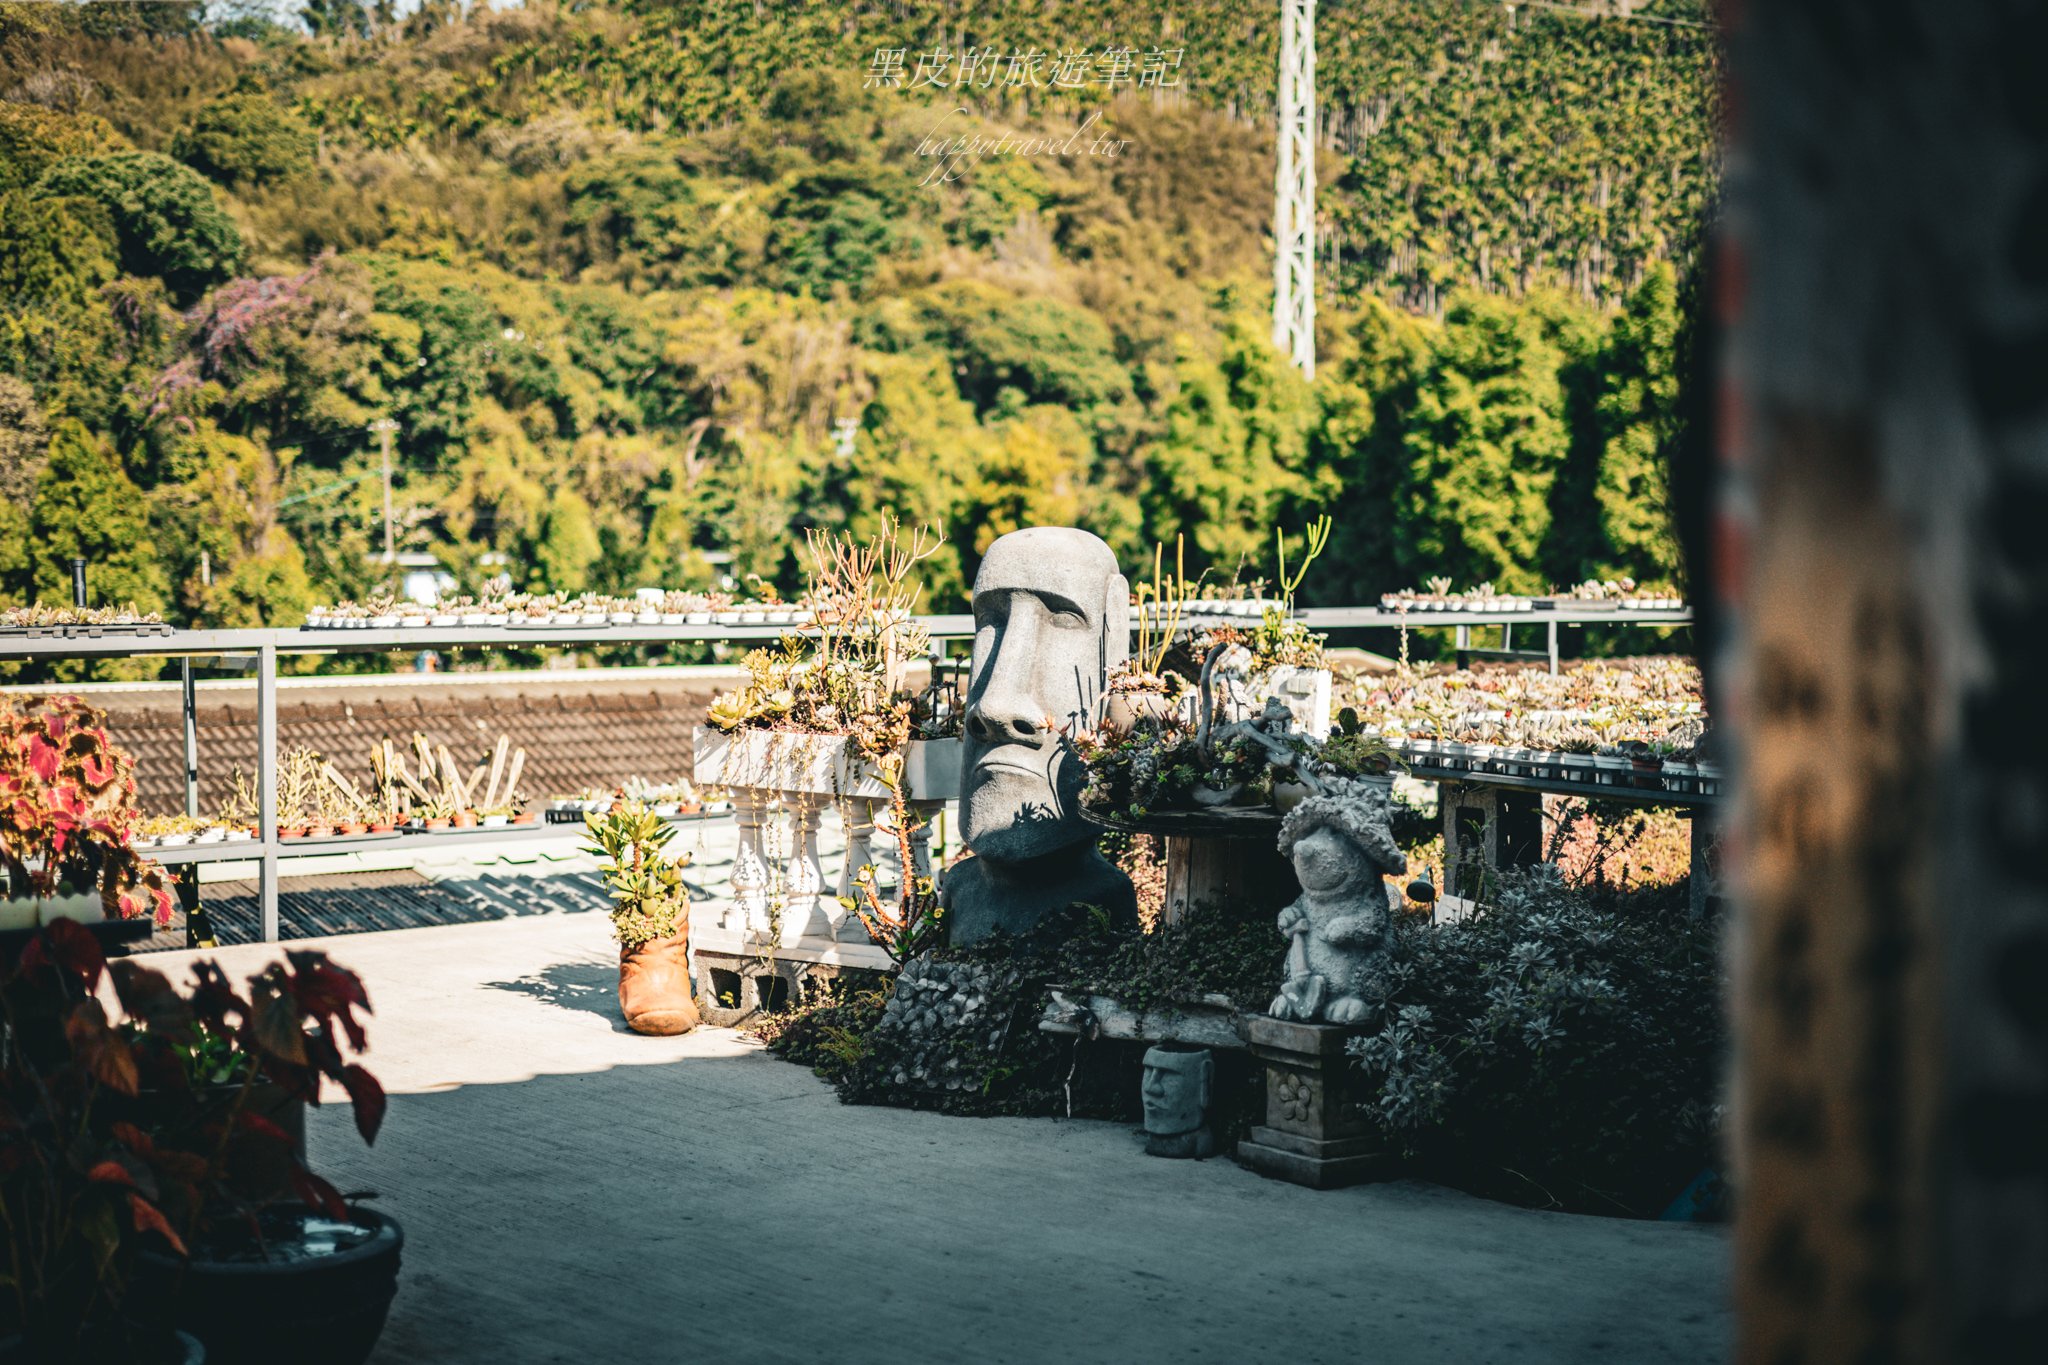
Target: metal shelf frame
[265, 647]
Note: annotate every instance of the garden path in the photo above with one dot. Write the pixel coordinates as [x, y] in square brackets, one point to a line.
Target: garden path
[573, 1192]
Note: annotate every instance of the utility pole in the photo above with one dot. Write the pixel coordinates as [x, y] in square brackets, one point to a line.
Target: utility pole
[1294, 184]
[384, 426]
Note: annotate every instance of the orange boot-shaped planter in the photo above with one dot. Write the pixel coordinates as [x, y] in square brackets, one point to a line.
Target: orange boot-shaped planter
[650, 917]
[654, 985]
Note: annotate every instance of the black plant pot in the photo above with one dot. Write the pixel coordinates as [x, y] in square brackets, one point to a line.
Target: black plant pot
[305, 1306]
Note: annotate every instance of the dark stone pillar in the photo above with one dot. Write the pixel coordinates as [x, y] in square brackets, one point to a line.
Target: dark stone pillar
[1883, 551]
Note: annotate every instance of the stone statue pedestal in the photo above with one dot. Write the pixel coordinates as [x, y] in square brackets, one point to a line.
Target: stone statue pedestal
[1313, 1134]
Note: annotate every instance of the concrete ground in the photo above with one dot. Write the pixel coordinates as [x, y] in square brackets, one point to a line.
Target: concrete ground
[573, 1192]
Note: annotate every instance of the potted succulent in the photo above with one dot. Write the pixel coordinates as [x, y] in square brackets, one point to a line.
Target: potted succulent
[1352, 751]
[650, 918]
[1133, 773]
[298, 794]
[1141, 688]
[238, 812]
[436, 812]
[1610, 764]
[342, 803]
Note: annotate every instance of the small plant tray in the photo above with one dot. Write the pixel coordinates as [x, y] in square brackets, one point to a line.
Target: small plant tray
[118, 630]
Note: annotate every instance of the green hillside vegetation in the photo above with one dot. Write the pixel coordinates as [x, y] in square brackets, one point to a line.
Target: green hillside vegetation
[645, 283]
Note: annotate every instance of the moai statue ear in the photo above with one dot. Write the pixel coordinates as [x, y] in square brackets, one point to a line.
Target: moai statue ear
[1116, 623]
[1208, 1073]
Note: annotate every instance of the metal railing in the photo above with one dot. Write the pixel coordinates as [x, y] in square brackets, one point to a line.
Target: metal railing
[267, 850]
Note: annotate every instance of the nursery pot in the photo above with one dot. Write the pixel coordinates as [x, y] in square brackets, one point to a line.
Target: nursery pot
[654, 985]
[465, 819]
[320, 1300]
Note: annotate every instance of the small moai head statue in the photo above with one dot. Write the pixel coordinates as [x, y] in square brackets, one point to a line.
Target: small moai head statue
[1179, 1082]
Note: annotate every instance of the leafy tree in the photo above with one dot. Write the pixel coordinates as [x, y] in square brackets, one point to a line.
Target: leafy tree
[229, 511]
[917, 447]
[24, 439]
[1037, 476]
[831, 228]
[569, 545]
[31, 137]
[244, 138]
[336, 18]
[753, 493]
[164, 215]
[640, 219]
[288, 360]
[1484, 443]
[86, 505]
[268, 587]
[1039, 350]
[57, 331]
[54, 251]
[1637, 408]
[1235, 453]
[657, 259]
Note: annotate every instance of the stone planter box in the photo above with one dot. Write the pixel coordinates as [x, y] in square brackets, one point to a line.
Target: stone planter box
[820, 765]
[788, 905]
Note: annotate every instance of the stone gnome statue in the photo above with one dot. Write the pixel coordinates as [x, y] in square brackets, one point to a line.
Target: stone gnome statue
[1341, 847]
[1051, 618]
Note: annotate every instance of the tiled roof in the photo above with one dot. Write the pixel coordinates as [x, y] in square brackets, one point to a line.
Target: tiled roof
[574, 736]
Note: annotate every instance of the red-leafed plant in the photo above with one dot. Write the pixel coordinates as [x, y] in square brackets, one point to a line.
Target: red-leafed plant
[113, 1131]
[67, 811]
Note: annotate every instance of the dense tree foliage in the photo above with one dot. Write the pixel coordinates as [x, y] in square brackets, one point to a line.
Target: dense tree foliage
[649, 288]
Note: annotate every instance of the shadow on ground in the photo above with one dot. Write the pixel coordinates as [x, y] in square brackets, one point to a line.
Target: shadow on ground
[731, 1189]
[592, 987]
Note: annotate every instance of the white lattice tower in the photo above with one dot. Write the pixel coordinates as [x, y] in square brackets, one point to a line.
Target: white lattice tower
[1294, 202]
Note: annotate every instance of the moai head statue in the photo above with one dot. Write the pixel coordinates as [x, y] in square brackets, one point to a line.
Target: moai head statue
[1052, 618]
